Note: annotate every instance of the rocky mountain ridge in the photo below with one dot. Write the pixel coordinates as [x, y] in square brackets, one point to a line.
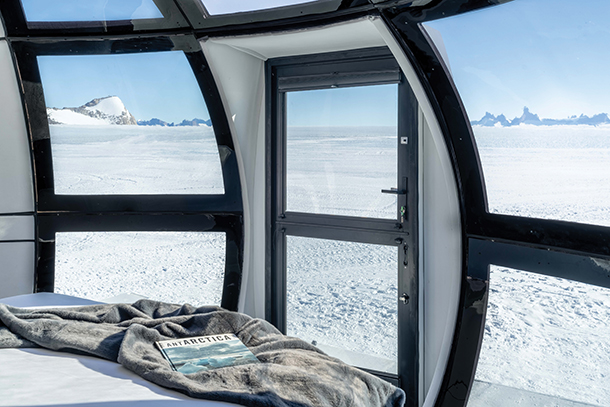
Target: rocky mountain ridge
[109, 110]
[490, 120]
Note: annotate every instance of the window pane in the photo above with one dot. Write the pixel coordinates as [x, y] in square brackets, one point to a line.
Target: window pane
[342, 297]
[342, 151]
[174, 267]
[547, 342]
[534, 84]
[90, 10]
[129, 124]
[215, 7]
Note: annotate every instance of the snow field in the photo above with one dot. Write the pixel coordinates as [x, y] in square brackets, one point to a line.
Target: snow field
[135, 160]
[343, 295]
[543, 336]
[547, 335]
[338, 171]
[184, 267]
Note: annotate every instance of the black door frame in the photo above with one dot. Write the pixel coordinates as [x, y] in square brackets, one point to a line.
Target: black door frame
[332, 70]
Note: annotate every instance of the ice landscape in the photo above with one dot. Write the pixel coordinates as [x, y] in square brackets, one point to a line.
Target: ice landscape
[543, 336]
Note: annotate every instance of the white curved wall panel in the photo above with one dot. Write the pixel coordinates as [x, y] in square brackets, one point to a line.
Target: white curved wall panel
[16, 228]
[16, 268]
[16, 185]
[241, 82]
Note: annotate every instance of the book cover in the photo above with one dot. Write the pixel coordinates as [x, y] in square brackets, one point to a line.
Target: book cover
[202, 353]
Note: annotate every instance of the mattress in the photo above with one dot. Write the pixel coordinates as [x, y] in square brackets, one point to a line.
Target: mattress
[40, 377]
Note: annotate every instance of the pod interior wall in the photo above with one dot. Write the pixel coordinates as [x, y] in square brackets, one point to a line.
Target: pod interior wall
[17, 249]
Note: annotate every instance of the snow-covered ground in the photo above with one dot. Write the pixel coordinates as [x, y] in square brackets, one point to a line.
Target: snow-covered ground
[175, 267]
[137, 160]
[543, 336]
[548, 172]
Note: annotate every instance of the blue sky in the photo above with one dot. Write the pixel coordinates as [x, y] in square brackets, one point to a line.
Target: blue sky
[234, 6]
[358, 106]
[160, 85]
[109, 10]
[549, 55]
[89, 10]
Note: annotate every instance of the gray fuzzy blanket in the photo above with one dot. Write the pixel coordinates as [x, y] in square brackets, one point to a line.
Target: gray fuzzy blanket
[292, 373]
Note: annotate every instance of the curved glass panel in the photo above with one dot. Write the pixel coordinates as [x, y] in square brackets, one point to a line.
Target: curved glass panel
[90, 10]
[216, 7]
[129, 124]
[532, 77]
[175, 267]
[546, 343]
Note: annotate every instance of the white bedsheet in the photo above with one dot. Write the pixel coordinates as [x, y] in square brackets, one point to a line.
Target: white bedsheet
[40, 377]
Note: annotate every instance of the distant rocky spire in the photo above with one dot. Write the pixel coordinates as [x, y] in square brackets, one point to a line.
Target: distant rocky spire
[489, 120]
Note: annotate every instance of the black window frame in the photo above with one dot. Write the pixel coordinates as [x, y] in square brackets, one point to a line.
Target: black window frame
[82, 213]
[360, 67]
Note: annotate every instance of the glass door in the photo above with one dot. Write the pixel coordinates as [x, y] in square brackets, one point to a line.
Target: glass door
[342, 241]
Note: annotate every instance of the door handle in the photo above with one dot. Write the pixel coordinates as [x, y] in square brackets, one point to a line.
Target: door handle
[394, 191]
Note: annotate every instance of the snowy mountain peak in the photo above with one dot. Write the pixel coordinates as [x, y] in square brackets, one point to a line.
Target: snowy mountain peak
[100, 111]
[108, 110]
[489, 120]
[110, 105]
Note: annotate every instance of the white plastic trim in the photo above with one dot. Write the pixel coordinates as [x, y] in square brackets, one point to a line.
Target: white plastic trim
[337, 37]
[17, 270]
[16, 183]
[16, 228]
[240, 81]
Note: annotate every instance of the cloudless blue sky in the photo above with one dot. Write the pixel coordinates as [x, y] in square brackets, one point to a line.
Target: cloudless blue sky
[357, 106]
[151, 85]
[89, 10]
[109, 10]
[549, 55]
[235, 6]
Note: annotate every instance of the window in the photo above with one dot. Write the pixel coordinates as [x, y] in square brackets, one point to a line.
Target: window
[347, 311]
[92, 10]
[185, 267]
[215, 7]
[343, 236]
[330, 135]
[26, 18]
[136, 176]
[533, 87]
[546, 342]
[112, 132]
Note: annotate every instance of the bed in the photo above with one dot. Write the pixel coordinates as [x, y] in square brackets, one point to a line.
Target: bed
[291, 373]
[41, 377]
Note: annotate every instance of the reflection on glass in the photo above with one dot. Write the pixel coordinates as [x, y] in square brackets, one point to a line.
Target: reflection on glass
[341, 151]
[547, 342]
[176, 267]
[534, 87]
[129, 124]
[90, 10]
[215, 7]
[341, 296]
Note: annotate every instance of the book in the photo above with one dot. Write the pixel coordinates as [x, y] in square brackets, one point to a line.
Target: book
[203, 353]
